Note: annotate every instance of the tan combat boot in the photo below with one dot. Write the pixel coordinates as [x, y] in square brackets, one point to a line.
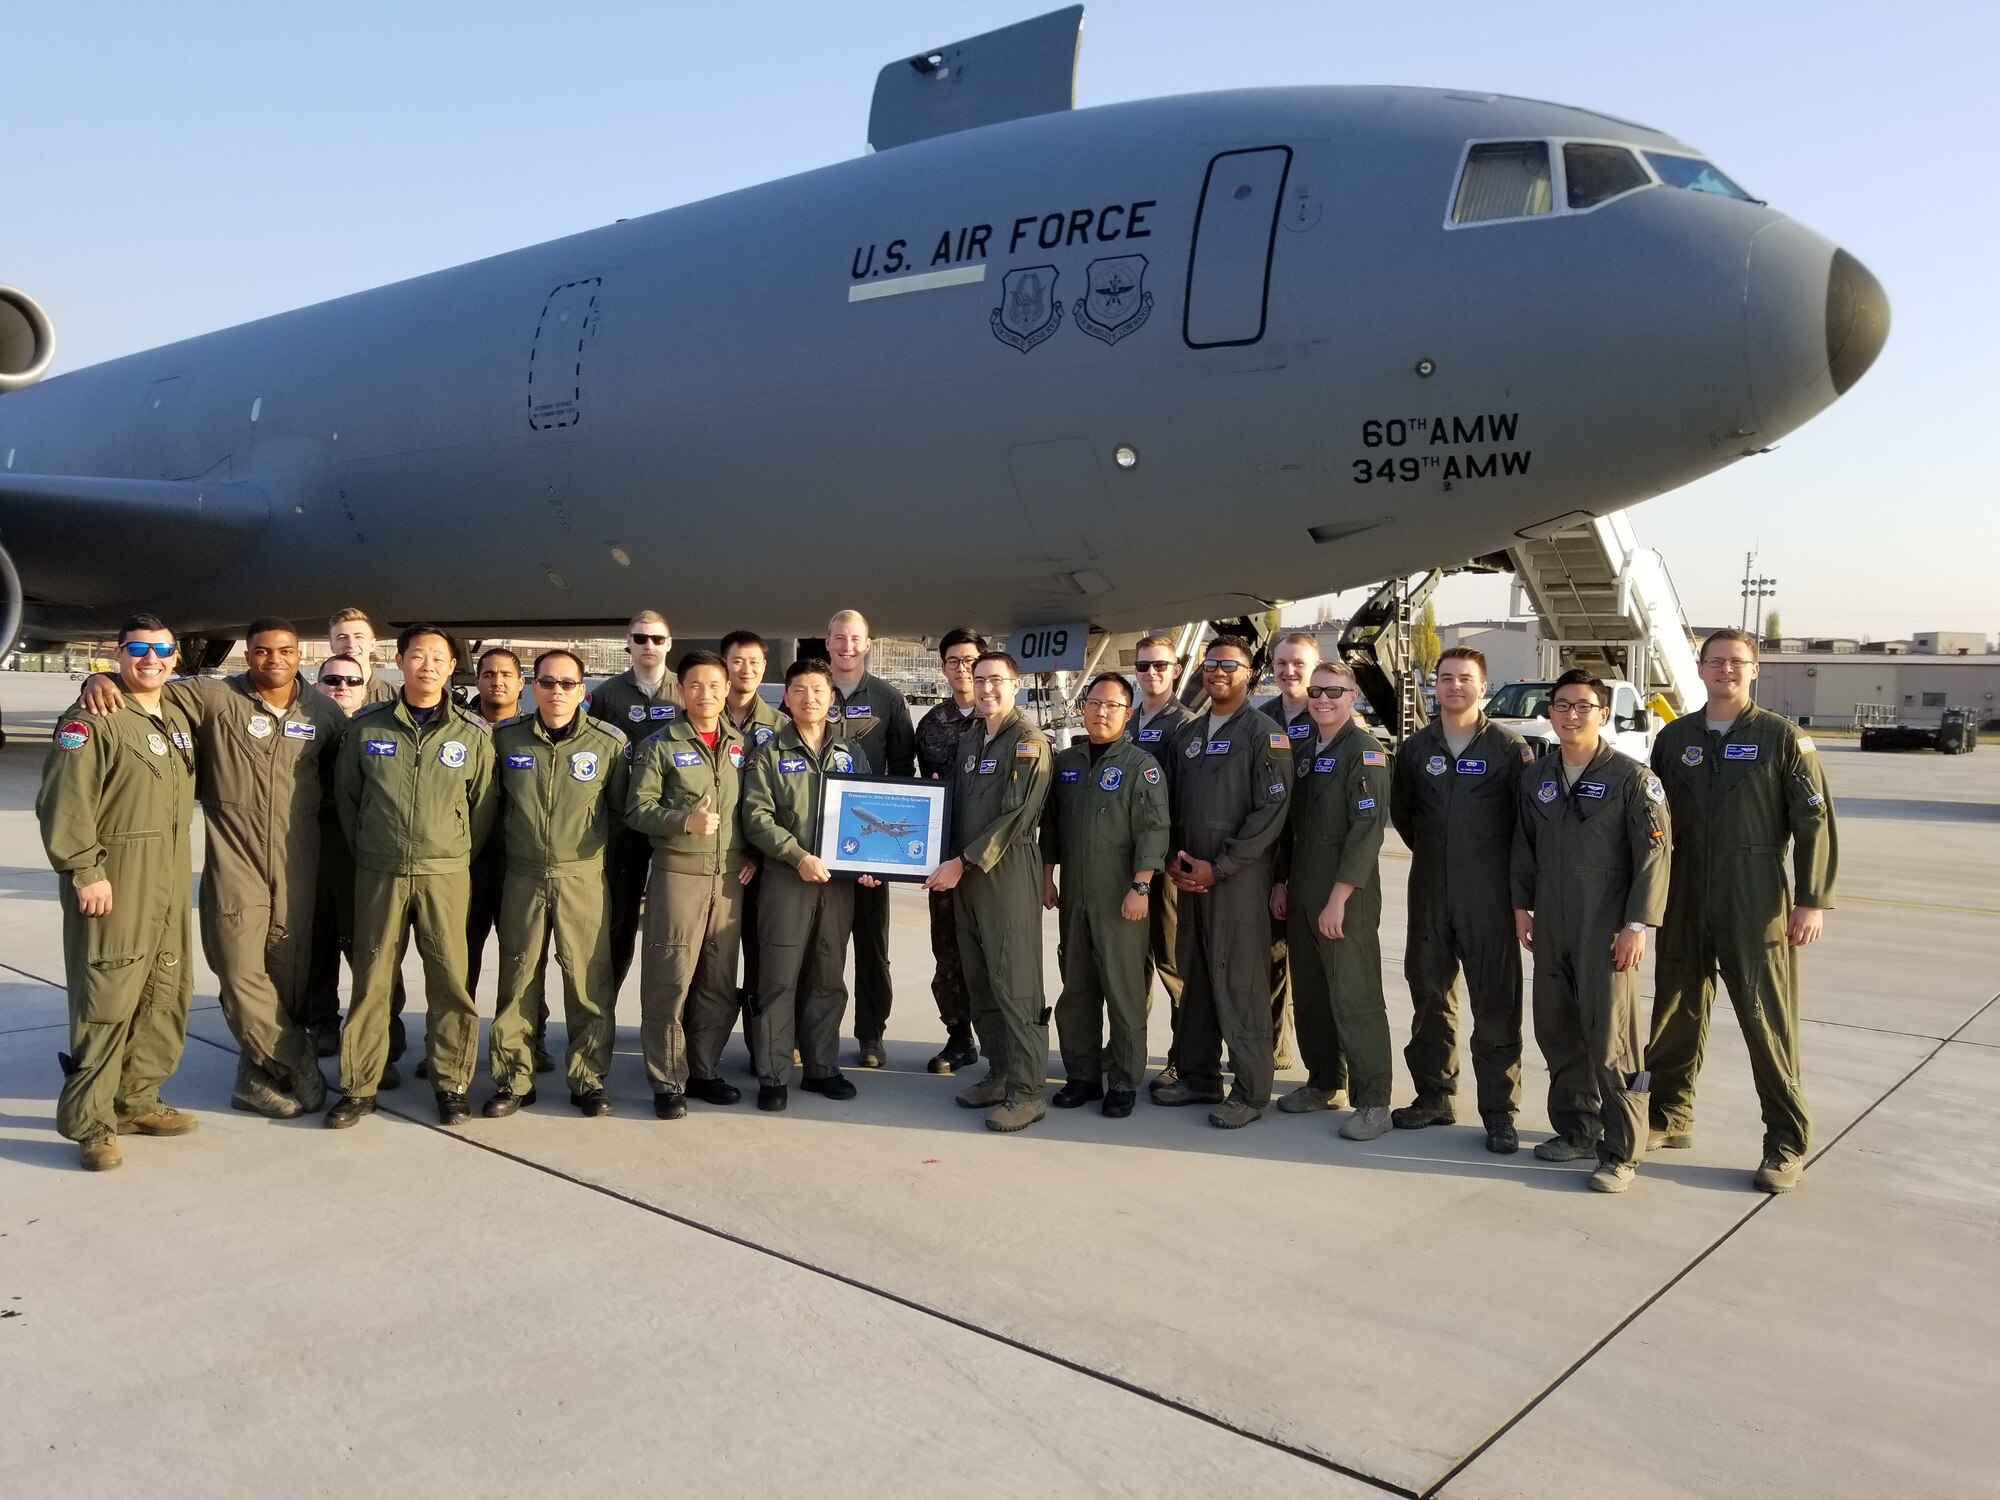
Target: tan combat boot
[1018, 1113]
[984, 1094]
[254, 1093]
[166, 1120]
[1306, 1100]
[100, 1153]
[301, 1064]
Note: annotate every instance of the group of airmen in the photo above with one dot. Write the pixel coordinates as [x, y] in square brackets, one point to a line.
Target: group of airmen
[1234, 852]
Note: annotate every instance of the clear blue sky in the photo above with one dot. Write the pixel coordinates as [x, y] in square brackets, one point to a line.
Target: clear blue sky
[173, 169]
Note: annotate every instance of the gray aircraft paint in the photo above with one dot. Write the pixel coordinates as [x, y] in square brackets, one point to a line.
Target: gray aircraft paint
[832, 388]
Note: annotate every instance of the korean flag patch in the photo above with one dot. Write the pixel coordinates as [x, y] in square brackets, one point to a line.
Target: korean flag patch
[583, 766]
[452, 753]
[1111, 779]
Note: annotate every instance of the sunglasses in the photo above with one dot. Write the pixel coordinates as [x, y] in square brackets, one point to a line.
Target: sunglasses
[1335, 693]
[559, 684]
[1152, 666]
[1213, 665]
[651, 640]
[326, 681]
[138, 649]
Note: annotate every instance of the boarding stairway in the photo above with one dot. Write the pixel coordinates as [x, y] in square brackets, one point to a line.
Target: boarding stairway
[1608, 605]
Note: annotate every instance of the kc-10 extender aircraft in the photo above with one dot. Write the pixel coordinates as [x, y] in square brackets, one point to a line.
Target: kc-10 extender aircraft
[1019, 365]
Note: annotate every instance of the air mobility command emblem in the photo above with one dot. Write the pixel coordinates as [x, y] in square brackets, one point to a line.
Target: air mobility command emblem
[1691, 756]
[1028, 312]
[260, 726]
[583, 765]
[1546, 792]
[155, 744]
[636, 713]
[1116, 301]
[1435, 765]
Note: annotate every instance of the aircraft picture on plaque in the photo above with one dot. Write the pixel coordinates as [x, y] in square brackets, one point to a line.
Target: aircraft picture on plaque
[887, 826]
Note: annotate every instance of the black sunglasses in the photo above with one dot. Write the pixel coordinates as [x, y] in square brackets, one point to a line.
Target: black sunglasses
[1215, 665]
[559, 684]
[650, 640]
[326, 681]
[1152, 666]
[1335, 693]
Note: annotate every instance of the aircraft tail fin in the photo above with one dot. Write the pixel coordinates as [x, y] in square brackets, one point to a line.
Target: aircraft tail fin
[84, 539]
[1025, 69]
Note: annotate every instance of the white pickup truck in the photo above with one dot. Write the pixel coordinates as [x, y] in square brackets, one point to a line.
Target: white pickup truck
[1524, 708]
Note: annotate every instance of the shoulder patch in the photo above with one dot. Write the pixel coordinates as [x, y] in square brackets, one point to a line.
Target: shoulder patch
[1280, 742]
[1805, 744]
[1654, 791]
[1152, 775]
[73, 735]
[1374, 758]
[1027, 750]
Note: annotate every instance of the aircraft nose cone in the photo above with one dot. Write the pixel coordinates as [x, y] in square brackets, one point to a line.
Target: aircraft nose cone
[1814, 320]
[1857, 320]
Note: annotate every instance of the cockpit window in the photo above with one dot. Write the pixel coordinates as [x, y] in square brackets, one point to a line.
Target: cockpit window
[1503, 180]
[1694, 174]
[1597, 174]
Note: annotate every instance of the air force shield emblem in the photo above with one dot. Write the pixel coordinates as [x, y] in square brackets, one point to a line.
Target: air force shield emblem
[1116, 301]
[1028, 312]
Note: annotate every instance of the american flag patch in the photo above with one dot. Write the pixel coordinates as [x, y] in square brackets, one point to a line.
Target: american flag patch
[1279, 742]
[1374, 758]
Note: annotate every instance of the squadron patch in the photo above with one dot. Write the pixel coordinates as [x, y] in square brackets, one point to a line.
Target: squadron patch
[523, 761]
[736, 756]
[1069, 778]
[74, 735]
[1691, 756]
[1193, 749]
[971, 763]
[259, 726]
[1654, 791]
[452, 753]
[636, 713]
[1546, 792]
[1029, 309]
[1152, 775]
[1739, 752]
[155, 744]
[687, 758]
[1436, 765]
[583, 766]
[842, 761]
[296, 731]
[1111, 779]
[1116, 302]
[762, 735]
[1472, 768]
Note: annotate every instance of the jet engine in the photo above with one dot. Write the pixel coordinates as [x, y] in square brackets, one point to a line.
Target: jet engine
[27, 340]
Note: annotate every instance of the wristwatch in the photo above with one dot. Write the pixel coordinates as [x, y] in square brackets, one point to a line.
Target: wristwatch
[1143, 887]
[1635, 926]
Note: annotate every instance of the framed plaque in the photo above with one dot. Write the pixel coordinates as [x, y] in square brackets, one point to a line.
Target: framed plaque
[891, 827]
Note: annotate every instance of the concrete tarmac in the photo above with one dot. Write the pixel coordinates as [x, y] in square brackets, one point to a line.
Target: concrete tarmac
[882, 1298]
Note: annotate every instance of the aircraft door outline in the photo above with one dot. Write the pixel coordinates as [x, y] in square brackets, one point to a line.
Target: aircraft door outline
[566, 326]
[1229, 256]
